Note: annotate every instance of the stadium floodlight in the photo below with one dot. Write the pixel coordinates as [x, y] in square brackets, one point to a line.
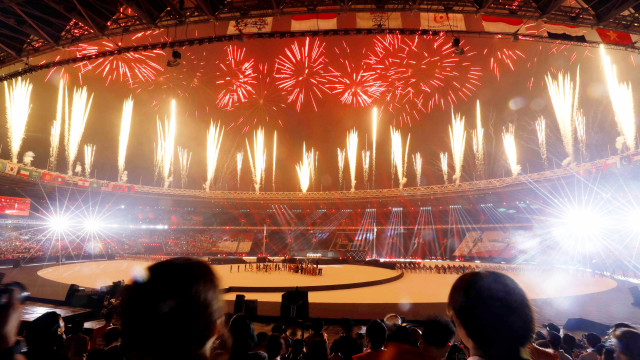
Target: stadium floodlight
[59, 223]
[92, 224]
[580, 229]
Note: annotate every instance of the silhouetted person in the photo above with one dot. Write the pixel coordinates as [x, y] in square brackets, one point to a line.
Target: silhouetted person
[243, 339]
[172, 314]
[44, 337]
[376, 334]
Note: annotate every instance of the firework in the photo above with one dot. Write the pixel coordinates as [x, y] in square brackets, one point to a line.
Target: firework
[184, 159]
[257, 161]
[417, 166]
[506, 57]
[89, 152]
[130, 67]
[157, 152]
[301, 73]
[621, 97]
[352, 81]
[237, 78]
[352, 155]
[18, 101]
[374, 125]
[305, 168]
[74, 126]
[365, 166]
[341, 154]
[56, 128]
[509, 140]
[166, 147]
[542, 138]
[581, 133]
[445, 167]
[478, 141]
[421, 73]
[273, 173]
[214, 139]
[239, 156]
[457, 135]
[564, 97]
[398, 161]
[125, 128]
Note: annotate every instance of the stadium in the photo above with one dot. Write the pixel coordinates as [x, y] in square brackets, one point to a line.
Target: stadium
[473, 138]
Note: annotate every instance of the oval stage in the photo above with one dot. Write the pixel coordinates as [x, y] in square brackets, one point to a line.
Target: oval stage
[358, 291]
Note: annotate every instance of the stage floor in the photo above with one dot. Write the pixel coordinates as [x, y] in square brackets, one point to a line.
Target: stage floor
[415, 295]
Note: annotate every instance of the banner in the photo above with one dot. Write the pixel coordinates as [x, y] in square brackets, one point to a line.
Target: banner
[379, 20]
[104, 185]
[565, 32]
[3, 166]
[35, 175]
[23, 172]
[502, 25]
[442, 21]
[59, 179]
[11, 168]
[250, 26]
[47, 177]
[83, 183]
[314, 22]
[14, 206]
[94, 185]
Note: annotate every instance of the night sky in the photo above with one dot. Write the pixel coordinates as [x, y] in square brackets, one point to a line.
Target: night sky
[193, 85]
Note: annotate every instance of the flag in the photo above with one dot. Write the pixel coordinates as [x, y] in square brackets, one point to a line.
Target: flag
[83, 183]
[502, 25]
[47, 177]
[35, 175]
[608, 163]
[379, 20]
[3, 166]
[442, 21]
[24, 172]
[565, 32]
[314, 22]
[250, 26]
[104, 185]
[132, 189]
[11, 168]
[94, 185]
[614, 37]
[119, 188]
[59, 179]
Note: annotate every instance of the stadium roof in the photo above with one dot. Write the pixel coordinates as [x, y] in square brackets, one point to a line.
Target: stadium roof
[32, 27]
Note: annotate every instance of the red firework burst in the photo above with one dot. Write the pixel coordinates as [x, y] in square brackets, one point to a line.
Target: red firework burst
[422, 73]
[354, 85]
[264, 104]
[503, 57]
[301, 72]
[130, 67]
[236, 76]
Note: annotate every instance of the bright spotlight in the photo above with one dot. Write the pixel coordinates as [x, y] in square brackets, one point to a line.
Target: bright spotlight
[59, 223]
[580, 229]
[92, 225]
[633, 220]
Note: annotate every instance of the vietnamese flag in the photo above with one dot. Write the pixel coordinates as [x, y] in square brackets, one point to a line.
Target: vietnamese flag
[614, 37]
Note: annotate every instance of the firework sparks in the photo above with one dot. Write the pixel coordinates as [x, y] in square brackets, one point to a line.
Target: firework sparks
[352, 155]
[273, 174]
[184, 159]
[445, 167]
[89, 152]
[214, 139]
[365, 166]
[509, 140]
[157, 152]
[74, 126]
[341, 154]
[581, 133]
[478, 141]
[422, 73]
[237, 78]
[504, 57]
[57, 127]
[125, 128]
[457, 135]
[301, 73]
[18, 101]
[417, 166]
[354, 85]
[258, 159]
[305, 168]
[374, 125]
[398, 160]
[239, 156]
[264, 104]
[130, 67]
[542, 138]
[166, 147]
[564, 97]
[621, 97]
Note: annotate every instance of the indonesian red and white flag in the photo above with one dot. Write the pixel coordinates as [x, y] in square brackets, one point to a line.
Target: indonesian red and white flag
[250, 26]
[497, 24]
[314, 22]
[442, 21]
[379, 20]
